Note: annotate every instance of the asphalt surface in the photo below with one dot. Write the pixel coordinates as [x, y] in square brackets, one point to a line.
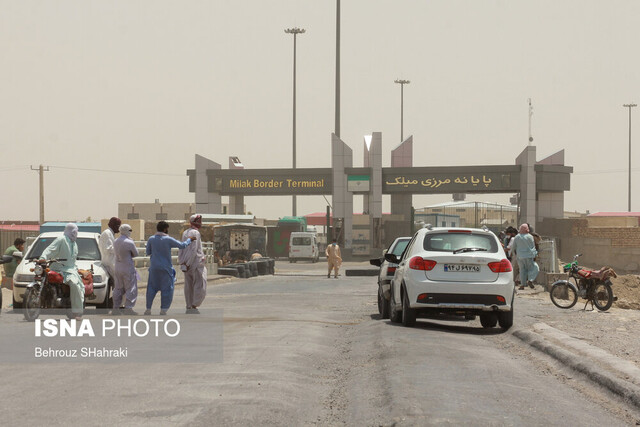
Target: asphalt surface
[301, 349]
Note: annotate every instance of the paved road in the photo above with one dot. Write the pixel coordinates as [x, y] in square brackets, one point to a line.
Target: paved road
[302, 349]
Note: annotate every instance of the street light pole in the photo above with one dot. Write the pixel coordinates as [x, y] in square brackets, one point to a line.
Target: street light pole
[629, 106]
[402, 83]
[295, 31]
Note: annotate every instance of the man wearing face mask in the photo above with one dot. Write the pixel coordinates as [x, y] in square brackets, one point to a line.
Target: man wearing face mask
[107, 238]
[126, 277]
[65, 248]
[192, 262]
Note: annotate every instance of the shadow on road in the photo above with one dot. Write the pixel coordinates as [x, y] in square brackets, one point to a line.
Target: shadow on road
[432, 323]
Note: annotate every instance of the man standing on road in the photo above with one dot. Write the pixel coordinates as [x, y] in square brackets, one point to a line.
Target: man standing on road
[107, 253]
[334, 258]
[162, 276]
[126, 276]
[65, 248]
[524, 248]
[192, 262]
[10, 268]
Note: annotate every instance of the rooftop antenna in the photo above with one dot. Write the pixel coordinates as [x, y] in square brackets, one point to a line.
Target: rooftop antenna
[530, 114]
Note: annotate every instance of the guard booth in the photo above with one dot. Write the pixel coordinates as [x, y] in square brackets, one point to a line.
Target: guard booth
[240, 240]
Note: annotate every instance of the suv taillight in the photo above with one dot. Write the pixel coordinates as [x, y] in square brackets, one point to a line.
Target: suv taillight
[391, 271]
[419, 263]
[503, 266]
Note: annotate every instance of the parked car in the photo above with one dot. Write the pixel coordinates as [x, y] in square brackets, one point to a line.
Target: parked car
[88, 255]
[455, 271]
[303, 245]
[387, 270]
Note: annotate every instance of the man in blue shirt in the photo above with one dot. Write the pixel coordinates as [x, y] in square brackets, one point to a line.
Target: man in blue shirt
[162, 276]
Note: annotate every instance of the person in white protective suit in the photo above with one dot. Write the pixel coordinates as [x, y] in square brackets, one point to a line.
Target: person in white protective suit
[192, 262]
[65, 248]
[126, 276]
[105, 243]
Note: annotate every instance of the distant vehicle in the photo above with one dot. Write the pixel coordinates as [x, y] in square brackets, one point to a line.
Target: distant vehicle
[387, 270]
[453, 270]
[88, 257]
[303, 245]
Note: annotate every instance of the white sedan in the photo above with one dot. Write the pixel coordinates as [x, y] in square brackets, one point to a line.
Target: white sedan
[88, 255]
[453, 270]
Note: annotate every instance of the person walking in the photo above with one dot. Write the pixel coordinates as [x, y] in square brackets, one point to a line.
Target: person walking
[162, 276]
[524, 248]
[105, 244]
[511, 234]
[65, 249]
[126, 276]
[192, 262]
[334, 258]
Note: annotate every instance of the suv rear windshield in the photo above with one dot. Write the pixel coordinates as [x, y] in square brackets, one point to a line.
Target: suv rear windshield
[301, 241]
[87, 248]
[449, 242]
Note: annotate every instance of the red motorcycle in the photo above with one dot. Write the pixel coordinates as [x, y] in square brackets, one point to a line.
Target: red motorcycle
[48, 290]
[593, 285]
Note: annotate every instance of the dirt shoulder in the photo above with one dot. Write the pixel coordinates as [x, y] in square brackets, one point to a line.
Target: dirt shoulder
[627, 288]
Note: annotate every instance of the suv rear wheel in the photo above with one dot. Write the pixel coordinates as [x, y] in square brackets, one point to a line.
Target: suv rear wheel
[488, 320]
[505, 318]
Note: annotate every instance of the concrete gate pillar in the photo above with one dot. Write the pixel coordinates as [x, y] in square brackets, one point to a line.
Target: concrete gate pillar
[402, 157]
[373, 200]
[527, 162]
[206, 202]
[341, 158]
[236, 203]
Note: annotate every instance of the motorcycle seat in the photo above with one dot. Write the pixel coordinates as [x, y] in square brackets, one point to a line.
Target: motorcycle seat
[603, 274]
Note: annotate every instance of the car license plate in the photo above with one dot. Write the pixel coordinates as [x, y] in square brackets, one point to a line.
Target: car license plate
[462, 268]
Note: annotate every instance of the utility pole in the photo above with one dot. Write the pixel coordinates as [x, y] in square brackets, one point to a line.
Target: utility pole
[629, 106]
[337, 108]
[402, 82]
[295, 32]
[41, 170]
[530, 114]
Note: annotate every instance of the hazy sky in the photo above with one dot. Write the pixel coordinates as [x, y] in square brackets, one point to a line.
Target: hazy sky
[144, 85]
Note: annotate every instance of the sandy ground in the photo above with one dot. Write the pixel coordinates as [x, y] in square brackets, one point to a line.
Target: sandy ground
[627, 289]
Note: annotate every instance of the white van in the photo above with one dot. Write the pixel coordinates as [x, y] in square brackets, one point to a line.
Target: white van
[303, 245]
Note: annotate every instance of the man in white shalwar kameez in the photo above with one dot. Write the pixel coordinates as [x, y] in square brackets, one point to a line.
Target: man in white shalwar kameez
[126, 277]
[105, 244]
[192, 262]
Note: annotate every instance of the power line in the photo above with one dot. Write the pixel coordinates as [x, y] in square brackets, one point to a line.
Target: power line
[117, 171]
[599, 172]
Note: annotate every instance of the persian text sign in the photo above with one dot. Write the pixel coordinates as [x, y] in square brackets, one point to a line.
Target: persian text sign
[447, 182]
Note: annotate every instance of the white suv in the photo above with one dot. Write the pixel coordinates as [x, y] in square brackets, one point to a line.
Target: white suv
[453, 270]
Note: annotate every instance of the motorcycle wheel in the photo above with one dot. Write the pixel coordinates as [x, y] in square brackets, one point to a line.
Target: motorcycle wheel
[602, 296]
[31, 304]
[563, 294]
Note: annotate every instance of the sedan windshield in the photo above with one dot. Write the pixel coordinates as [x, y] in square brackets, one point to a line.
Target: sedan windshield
[460, 242]
[87, 248]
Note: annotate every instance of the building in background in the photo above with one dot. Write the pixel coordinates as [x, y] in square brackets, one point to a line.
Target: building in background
[152, 212]
[469, 214]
